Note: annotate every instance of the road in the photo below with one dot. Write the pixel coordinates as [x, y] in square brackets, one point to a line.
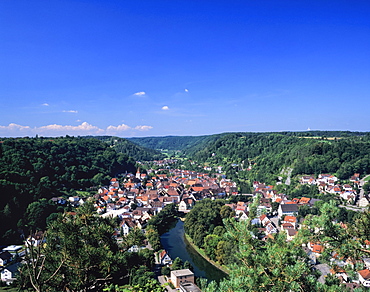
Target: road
[356, 209]
[362, 182]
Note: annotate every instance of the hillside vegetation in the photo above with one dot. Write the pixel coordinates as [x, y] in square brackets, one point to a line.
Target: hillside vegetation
[136, 151]
[263, 156]
[35, 168]
[180, 143]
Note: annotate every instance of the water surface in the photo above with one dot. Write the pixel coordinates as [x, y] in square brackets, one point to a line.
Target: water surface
[175, 244]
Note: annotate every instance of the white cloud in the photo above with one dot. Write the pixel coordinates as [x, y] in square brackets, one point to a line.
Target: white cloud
[140, 93]
[14, 127]
[14, 130]
[165, 108]
[143, 128]
[83, 129]
[116, 129]
[45, 104]
[186, 90]
[71, 111]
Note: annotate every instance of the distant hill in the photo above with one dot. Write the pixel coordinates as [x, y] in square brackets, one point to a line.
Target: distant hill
[137, 151]
[262, 156]
[176, 143]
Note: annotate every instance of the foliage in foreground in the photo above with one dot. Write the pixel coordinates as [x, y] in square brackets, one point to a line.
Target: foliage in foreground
[279, 265]
[80, 254]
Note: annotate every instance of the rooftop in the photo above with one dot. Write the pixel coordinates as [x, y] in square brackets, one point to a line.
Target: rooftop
[189, 287]
[181, 273]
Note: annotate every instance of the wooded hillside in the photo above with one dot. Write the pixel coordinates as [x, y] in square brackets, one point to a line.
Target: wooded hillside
[262, 156]
[35, 168]
[136, 151]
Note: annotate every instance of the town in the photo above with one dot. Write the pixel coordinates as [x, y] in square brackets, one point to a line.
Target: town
[135, 198]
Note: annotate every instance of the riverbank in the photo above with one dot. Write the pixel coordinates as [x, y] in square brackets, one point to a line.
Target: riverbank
[204, 256]
[176, 245]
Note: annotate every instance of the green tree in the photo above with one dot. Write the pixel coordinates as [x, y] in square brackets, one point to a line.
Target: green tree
[277, 265]
[177, 264]
[188, 265]
[210, 245]
[165, 271]
[81, 254]
[225, 211]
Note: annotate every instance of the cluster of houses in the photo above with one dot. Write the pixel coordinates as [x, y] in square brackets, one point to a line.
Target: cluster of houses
[137, 197]
[140, 197]
[328, 183]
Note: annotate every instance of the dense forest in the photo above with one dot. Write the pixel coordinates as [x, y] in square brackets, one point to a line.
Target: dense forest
[263, 156]
[195, 143]
[172, 142]
[136, 151]
[32, 169]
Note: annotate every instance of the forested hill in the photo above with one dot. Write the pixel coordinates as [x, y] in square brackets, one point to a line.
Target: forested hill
[35, 168]
[137, 151]
[180, 143]
[262, 156]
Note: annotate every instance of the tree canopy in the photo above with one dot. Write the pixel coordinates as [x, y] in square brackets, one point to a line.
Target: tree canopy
[36, 168]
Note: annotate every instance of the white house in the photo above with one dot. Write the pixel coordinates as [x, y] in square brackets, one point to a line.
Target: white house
[241, 215]
[182, 206]
[164, 258]
[126, 225]
[287, 210]
[9, 273]
[366, 262]
[35, 239]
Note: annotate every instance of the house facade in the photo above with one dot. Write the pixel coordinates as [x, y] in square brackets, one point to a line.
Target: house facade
[181, 276]
[165, 258]
[287, 210]
[9, 273]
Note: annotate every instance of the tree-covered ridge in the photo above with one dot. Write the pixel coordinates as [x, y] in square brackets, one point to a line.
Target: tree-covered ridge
[191, 144]
[35, 168]
[262, 156]
[172, 142]
[135, 150]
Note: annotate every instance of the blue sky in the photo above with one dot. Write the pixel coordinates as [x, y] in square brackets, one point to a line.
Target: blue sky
[156, 68]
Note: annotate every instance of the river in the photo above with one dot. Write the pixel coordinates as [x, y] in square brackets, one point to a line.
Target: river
[175, 244]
